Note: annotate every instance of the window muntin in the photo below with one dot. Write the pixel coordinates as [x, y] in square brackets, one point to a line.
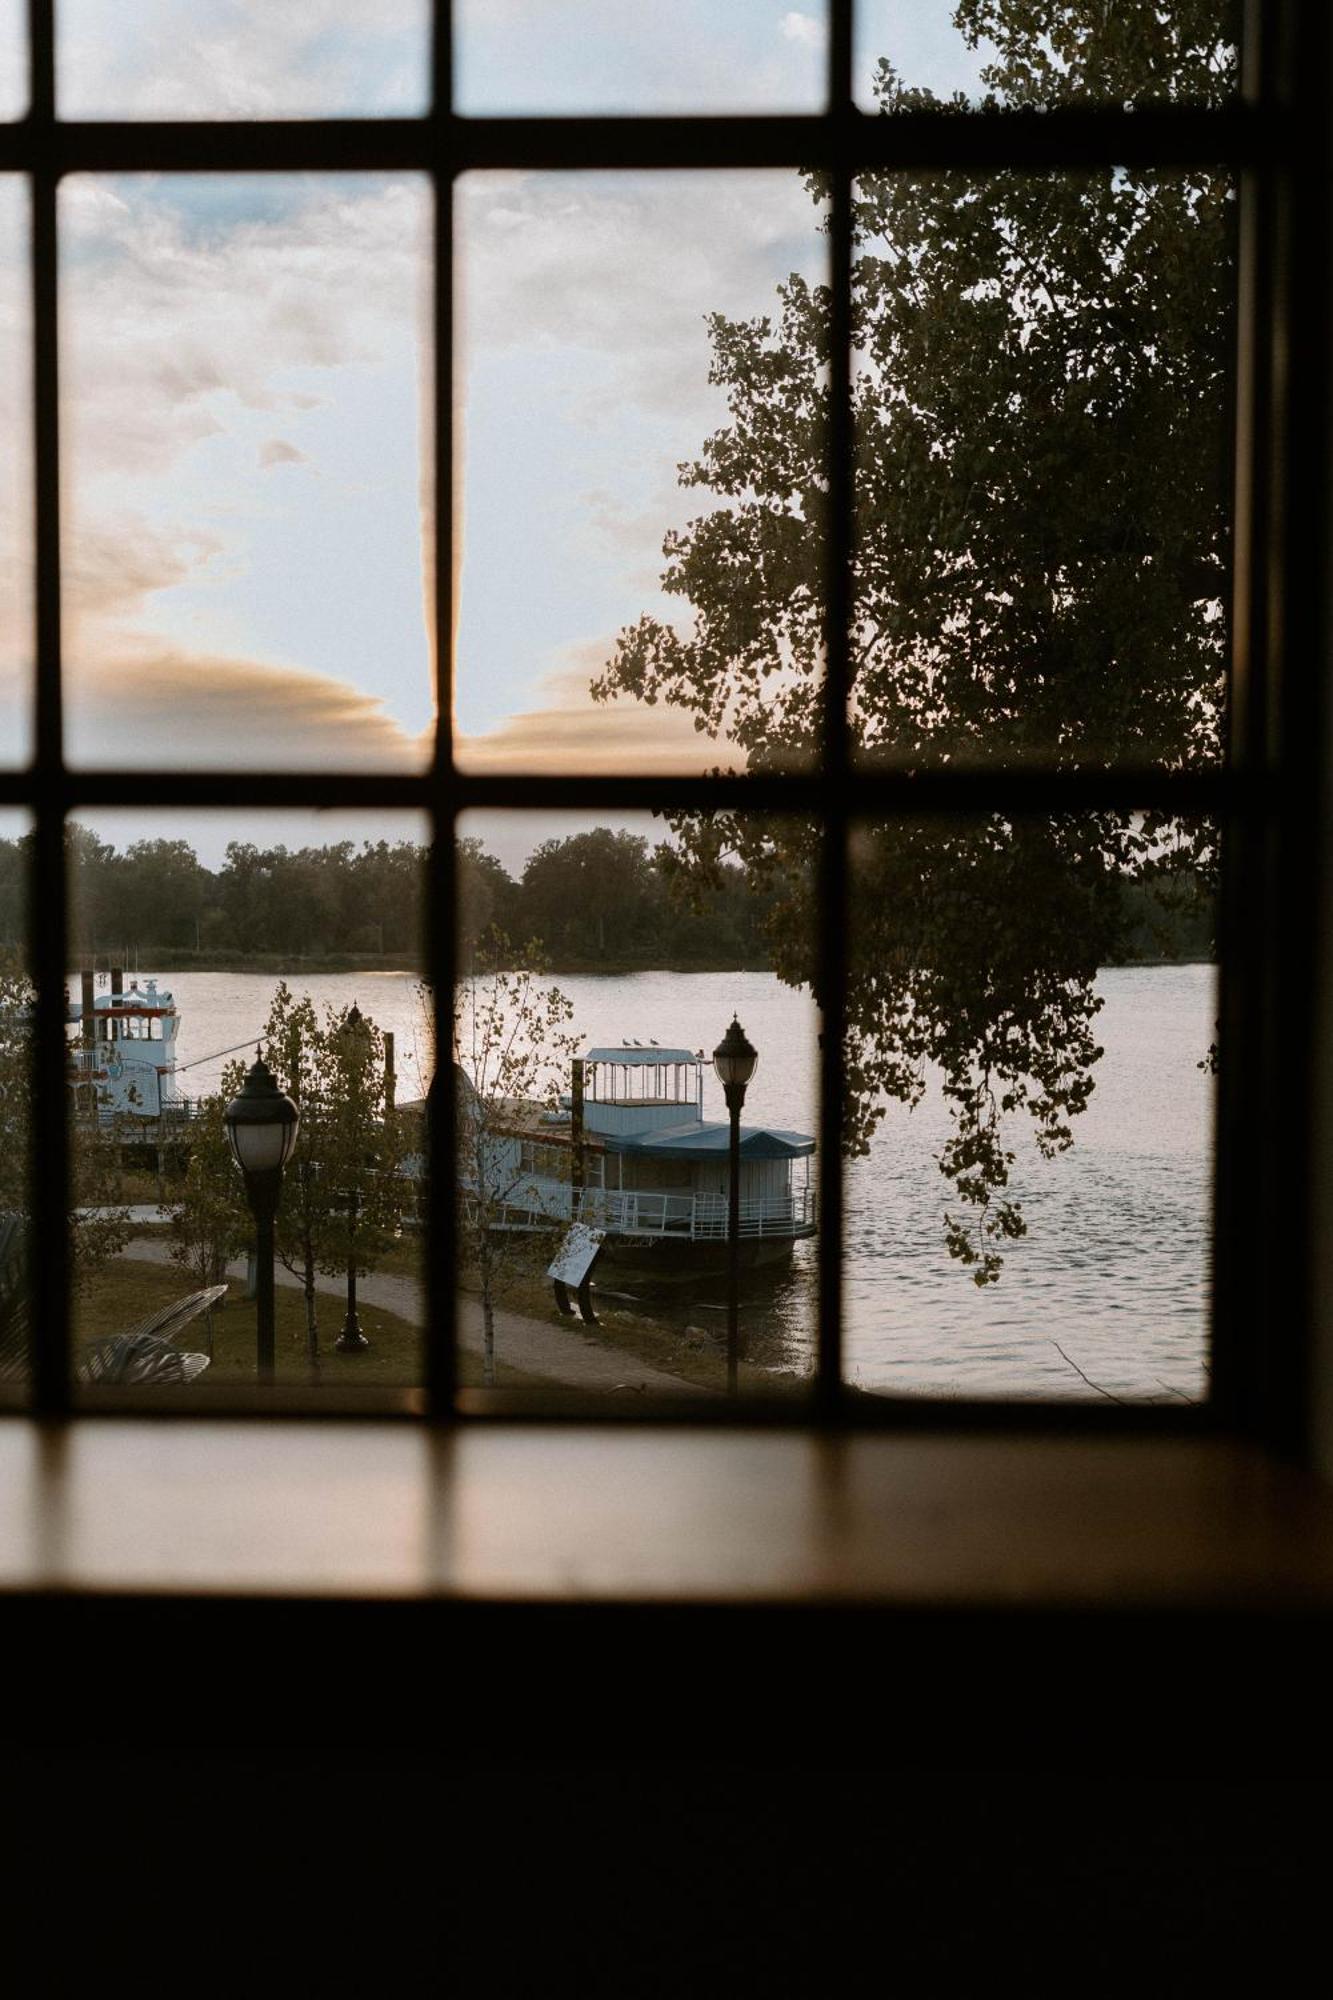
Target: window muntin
[1240, 144]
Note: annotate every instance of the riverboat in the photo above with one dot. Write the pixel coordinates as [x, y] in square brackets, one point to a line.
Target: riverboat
[122, 1062]
[629, 1152]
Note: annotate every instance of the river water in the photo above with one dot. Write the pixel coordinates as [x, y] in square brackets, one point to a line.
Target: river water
[1111, 1280]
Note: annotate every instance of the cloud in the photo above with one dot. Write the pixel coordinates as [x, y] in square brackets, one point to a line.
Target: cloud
[571, 732]
[241, 58]
[174, 324]
[607, 55]
[217, 711]
[803, 28]
[209, 337]
[278, 451]
[110, 570]
[626, 267]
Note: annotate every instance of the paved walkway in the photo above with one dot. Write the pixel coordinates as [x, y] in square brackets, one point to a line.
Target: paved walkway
[561, 1354]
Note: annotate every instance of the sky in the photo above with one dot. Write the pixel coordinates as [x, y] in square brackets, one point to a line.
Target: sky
[245, 368]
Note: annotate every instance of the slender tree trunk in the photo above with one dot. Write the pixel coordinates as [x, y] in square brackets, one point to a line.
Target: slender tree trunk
[488, 1335]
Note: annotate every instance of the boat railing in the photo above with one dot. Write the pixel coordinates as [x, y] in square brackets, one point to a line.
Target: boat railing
[693, 1217]
[532, 1203]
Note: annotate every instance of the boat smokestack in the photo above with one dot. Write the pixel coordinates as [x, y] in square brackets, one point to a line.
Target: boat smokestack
[576, 1127]
[117, 989]
[390, 1076]
[88, 1018]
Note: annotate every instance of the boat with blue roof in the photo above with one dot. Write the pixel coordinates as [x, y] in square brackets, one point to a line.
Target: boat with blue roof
[629, 1151]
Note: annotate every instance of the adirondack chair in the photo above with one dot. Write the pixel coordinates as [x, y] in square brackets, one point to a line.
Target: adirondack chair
[144, 1354]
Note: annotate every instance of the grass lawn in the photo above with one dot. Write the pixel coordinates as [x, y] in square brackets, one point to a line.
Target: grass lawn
[689, 1354]
[127, 1291]
[692, 1356]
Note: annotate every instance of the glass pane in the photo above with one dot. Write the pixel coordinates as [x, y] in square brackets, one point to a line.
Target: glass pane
[199, 939]
[556, 56]
[16, 1001]
[241, 58]
[16, 537]
[1033, 1012]
[641, 942]
[247, 464]
[1060, 52]
[641, 354]
[1043, 477]
[13, 58]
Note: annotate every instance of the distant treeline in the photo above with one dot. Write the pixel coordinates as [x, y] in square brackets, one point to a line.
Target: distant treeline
[598, 901]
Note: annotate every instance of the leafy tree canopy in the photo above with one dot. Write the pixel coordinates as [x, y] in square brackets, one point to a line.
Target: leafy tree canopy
[1040, 573]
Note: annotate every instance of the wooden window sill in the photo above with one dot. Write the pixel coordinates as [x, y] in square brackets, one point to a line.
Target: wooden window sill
[590, 1515]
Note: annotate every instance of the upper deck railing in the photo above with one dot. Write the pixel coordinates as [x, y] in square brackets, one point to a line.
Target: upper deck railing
[698, 1218]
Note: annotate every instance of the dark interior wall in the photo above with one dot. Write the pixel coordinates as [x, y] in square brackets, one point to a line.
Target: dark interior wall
[507, 1799]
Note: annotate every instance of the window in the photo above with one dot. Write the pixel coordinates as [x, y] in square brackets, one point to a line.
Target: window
[1248, 797]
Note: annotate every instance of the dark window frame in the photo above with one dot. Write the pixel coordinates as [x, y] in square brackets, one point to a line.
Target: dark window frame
[1264, 796]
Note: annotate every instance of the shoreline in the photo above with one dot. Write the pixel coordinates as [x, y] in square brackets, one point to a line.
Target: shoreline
[295, 966]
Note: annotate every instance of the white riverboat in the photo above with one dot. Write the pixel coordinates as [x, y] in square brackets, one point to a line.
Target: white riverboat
[122, 1061]
[630, 1152]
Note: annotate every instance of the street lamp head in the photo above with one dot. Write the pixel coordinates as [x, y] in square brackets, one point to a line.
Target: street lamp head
[262, 1123]
[735, 1059]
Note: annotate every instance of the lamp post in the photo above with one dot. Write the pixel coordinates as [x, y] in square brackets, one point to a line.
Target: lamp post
[351, 1340]
[735, 1060]
[261, 1127]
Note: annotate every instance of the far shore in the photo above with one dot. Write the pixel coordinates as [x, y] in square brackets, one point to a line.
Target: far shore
[288, 966]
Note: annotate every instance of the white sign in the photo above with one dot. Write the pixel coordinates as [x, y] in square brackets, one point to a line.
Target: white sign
[576, 1255]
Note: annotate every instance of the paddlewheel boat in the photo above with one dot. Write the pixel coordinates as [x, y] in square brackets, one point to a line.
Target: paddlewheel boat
[122, 1064]
[630, 1153]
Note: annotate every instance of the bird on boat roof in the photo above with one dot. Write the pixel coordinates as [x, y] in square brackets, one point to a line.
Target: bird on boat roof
[653, 1041]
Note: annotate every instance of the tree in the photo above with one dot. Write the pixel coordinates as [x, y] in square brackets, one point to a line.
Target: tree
[512, 1050]
[306, 1226]
[589, 896]
[210, 1223]
[346, 1145]
[99, 1224]
[1040, 569]
[363, 1146]
[486, 895]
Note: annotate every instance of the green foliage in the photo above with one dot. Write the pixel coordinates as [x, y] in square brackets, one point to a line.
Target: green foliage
[363, 1145]
[210, 1221]
[512, 1052]
[99, 1227]
[1040, 576]
[598, 898]
[156, 897]
[342, 1197]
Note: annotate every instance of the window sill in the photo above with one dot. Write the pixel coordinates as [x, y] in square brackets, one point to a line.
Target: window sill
[576, 1595]
[574, 1514]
